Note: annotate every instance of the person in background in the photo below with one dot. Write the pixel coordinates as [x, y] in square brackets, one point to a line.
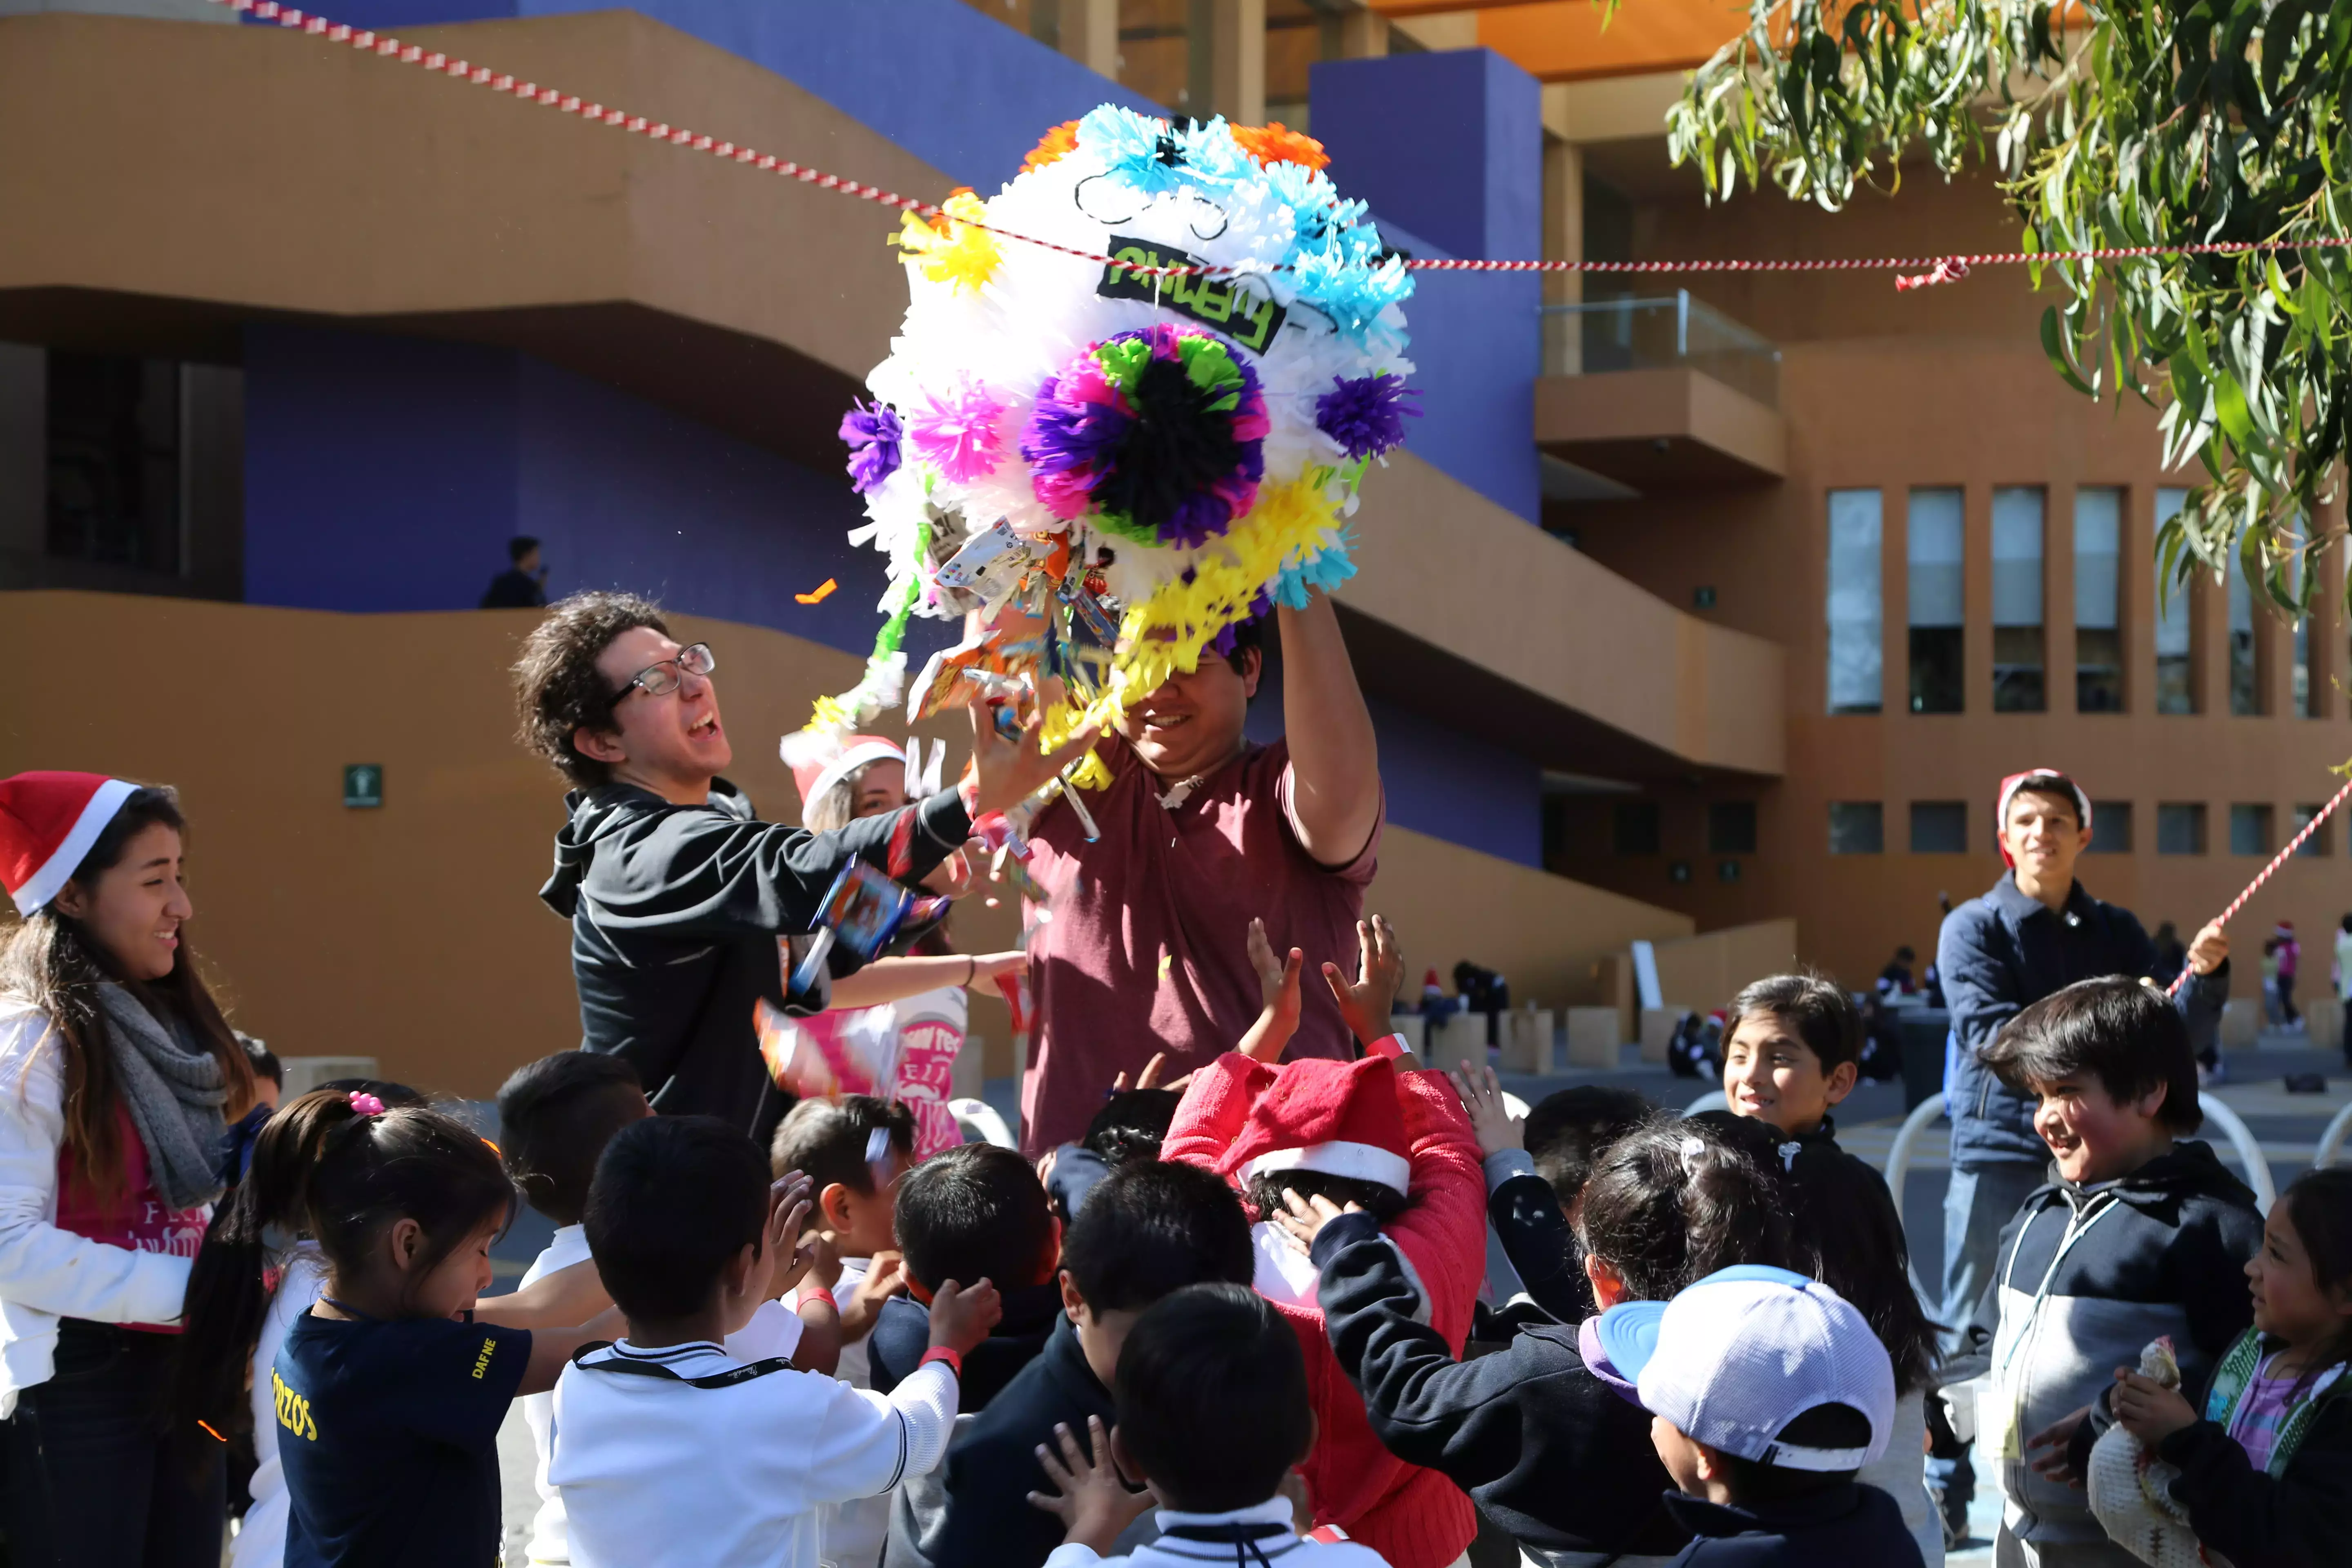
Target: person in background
[2036, 931]
[523, 584]
[119, 1077]
[2344, 980]
[1894, 979]
[1882, 1039]
[268, 1085]
[1435, 1003]
[1536, 1174]
[917, 1002]
[2290, 959]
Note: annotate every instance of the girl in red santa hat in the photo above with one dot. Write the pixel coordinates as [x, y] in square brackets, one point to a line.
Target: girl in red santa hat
[1382, 1133]
[119, 1077]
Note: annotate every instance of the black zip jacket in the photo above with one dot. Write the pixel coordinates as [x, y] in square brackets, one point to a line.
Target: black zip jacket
[1844, 1526]
[903, 1332]
[2159, 1251]
[1537, 1237]
[1551, 1452]
[676, 911]
[2299, 1519]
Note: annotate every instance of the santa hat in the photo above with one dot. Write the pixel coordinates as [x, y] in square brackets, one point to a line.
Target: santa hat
[47, 824]
[1339, 1118]
[820, 759]
[2049, 779]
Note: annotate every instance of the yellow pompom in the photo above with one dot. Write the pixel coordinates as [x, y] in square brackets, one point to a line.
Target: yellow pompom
[953, 252]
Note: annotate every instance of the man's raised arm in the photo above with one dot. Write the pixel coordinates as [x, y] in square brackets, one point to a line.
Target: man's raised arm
[1334, 763]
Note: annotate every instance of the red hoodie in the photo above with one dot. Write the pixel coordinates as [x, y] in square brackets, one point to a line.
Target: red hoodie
[1413, 1517]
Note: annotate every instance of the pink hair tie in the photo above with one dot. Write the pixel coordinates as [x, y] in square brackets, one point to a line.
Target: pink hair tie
[365, 1104]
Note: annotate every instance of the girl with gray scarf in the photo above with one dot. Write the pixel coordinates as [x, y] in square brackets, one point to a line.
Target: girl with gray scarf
[118, 1075]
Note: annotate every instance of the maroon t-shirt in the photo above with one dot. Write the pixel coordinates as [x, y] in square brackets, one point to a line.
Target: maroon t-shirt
[1148, 950]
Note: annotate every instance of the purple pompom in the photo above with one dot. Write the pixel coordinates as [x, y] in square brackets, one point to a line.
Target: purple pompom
[1366, 416]
[1221, 644]
[873, 432]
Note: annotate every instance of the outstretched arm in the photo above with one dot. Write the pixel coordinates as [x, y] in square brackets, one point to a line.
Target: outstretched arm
[1335, 763]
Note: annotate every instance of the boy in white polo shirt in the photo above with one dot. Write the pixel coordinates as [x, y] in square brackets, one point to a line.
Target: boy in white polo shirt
[672, 1451]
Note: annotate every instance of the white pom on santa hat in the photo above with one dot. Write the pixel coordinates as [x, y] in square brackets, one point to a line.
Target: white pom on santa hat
[1339, 1117]
[49, 821]
[820, 759]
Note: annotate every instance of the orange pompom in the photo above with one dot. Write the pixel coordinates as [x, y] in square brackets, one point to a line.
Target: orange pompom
[1275, 142]
[1052, 147]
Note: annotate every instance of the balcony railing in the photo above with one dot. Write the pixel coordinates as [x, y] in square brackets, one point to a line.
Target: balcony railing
[1660, 332]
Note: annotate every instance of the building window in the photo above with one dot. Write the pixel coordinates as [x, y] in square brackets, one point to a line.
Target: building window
[2176, 688]
[114, 461]
[1635, 828]
[1855, 613]
[1731, 828]
[1298, 34]
[2180, 827]
[1857, 827]
[1938, 599]
[2111, 827]
[1939, 827]
[2018, 684]
[2245, 685]
[2098, 600]
[2250, 829]
[2317, 843]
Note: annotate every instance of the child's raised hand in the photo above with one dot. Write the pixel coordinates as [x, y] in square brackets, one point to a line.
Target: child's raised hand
[1148, 1078]
[1278, 983]
[1089, 1499]
[1379, 969]
[2147, 1410]
[962, 1315]
[781, 1264]
[1303, 1219]
[1491, 1120]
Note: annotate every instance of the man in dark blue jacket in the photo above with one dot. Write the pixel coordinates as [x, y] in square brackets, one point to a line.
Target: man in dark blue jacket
[2035, 933]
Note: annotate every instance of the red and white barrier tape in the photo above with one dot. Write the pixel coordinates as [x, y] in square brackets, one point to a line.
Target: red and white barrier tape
[2277, 860]
[1939, 269]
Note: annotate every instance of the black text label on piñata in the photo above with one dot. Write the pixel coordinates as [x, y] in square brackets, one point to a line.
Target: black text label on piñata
[1230, 306]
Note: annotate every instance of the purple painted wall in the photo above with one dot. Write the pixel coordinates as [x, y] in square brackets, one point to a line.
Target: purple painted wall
[960, 91]
[386, 473]
[1476, 190]
[1440, 780]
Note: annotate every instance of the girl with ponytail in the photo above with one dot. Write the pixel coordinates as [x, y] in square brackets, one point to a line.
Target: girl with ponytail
[255, 1273]
[1542, 1433]
[389, 1391]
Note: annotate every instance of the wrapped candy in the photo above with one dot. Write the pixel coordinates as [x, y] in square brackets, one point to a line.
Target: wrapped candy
[1136, 458]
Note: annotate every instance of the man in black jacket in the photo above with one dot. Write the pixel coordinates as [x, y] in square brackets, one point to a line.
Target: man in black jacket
[677, 893]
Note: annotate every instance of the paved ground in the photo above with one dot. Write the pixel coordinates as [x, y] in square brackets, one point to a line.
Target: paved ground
[2287, 1126]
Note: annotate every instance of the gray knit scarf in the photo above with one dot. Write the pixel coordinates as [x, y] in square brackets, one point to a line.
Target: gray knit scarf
[173, 1090]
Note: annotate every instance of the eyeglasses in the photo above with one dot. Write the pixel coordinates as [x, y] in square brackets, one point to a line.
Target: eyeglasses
[661, 680]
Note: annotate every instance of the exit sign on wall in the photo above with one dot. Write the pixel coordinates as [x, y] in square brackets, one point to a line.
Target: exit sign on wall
[363, 785]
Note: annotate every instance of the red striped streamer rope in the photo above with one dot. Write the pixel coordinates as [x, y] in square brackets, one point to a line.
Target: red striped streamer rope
[2277, 860]
[1938, 269]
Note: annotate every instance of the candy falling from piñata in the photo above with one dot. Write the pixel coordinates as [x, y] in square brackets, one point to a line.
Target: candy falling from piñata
[1135, 462]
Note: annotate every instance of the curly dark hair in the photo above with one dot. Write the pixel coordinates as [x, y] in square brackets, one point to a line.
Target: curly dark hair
[557, 688]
